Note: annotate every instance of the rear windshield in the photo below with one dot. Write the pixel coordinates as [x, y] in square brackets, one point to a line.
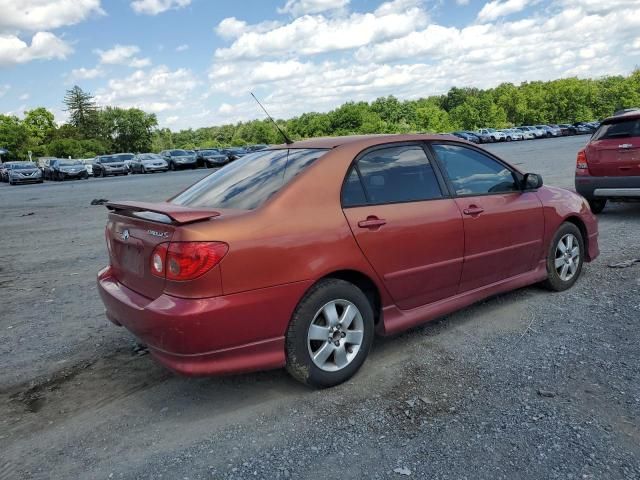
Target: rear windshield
[628, 128]
[248, 182]
[123, 156]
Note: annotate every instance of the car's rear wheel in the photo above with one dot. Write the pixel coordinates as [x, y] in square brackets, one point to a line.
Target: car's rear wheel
[597, 205]
[330, 334]
[565, 258]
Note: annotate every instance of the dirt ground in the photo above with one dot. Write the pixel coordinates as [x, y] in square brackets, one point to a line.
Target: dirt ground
[525, 385]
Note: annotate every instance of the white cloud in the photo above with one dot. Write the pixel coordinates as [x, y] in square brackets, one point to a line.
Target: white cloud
[157, 90]
[4, 89]
[182, 48]
[123, 55]
[154, 7]
[231, 27]
[281, 65]
[501, 8]
[462, 2]
[85, 73]
[44, 46]
[24, 96]
[44, 14]
[298, 8]
[320, 34]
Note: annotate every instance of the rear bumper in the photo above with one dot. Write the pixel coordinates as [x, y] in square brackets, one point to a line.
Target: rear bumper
[207, 336]
[608, 187]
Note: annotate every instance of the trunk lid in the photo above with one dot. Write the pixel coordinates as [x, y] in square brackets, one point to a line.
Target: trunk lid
[614, 150]
[133, 231]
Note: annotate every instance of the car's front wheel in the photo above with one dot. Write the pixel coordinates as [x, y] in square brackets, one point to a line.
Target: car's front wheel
[565, 258]
[330, 334]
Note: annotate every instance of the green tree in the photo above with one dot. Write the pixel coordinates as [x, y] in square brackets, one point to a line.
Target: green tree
[14, 136]
[82, 110]
[41, 125]
[127, 130]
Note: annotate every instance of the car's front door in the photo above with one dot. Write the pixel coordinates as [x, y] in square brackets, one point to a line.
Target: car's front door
[408, 228]
[503, 225]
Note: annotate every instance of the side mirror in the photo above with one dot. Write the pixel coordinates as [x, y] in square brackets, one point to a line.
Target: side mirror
[531, 181]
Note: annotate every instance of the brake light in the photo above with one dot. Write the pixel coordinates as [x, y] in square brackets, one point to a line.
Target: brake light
[582, 167]
[182, 261]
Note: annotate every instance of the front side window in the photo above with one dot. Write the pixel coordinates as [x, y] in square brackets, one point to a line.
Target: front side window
[250, 181]
[473, 173]
[398, 174]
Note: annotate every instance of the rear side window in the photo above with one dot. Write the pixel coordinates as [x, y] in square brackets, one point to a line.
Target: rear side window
[250, 181]
[627, 128]
[352, 191]
[473, 173]
[398, 174]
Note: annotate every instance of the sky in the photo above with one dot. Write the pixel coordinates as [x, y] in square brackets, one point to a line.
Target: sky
[194, 62]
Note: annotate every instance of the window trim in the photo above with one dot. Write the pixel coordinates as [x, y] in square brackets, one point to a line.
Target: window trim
[517, 176]
[444, 188]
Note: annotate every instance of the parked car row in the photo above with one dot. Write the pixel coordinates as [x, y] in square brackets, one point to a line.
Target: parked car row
[526, 132]
[59, 169]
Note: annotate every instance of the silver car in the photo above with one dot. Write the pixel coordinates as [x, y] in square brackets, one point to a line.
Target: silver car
[148, 163]
[24, 172]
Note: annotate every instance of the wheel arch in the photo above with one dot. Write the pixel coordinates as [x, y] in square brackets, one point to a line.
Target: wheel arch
[364, 283]
[577, 221]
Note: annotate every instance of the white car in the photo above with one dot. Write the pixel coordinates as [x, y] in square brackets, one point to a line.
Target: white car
[537, 133]
[88, 165]
[513, 134]
[496, 135]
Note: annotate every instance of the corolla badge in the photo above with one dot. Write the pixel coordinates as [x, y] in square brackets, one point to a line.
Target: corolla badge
[155, 233]
[125, 235]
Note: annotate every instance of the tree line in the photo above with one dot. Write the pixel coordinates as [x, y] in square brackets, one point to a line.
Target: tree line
[91, 130]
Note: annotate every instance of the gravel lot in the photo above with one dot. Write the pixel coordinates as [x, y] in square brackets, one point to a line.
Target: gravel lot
[526, 385]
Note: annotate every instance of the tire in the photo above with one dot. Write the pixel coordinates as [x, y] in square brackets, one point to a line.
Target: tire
[172, 167]
[103, 174]
[329, 295]
[207, 164]
[597, 205]
[143, 170]
[567, 235]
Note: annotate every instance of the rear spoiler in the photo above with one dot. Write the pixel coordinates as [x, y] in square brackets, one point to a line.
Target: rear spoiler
[162, 212]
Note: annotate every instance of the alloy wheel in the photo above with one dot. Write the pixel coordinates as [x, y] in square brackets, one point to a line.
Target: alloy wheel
[567, 257]
[335, 335]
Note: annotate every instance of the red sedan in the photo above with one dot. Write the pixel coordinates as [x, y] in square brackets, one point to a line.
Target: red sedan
[297, 255]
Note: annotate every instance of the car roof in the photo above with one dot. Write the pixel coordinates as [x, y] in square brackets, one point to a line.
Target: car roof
[632, 115]
[364, 140]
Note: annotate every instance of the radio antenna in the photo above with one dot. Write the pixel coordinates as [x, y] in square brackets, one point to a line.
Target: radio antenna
[287, 140]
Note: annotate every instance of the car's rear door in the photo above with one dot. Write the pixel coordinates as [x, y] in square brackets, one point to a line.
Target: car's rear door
[614, 150]
[405, 223]
[503, 225]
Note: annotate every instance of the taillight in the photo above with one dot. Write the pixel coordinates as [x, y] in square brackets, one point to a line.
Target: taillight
[182, 261]
[158, 259]
[582, 167]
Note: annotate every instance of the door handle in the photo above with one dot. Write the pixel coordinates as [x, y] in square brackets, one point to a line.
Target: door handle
[372, 222]
[473, 210]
